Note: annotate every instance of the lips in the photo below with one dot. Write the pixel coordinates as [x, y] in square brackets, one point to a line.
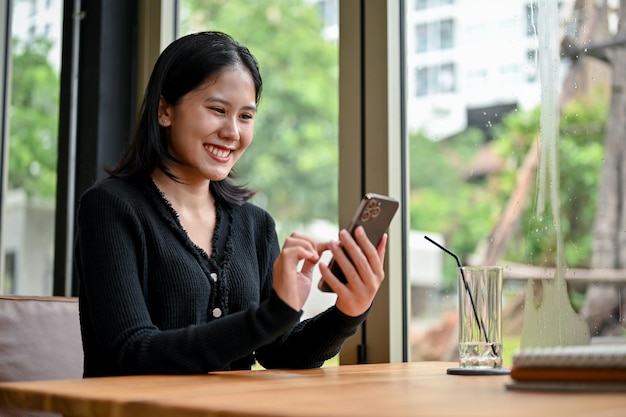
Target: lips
[221, 153]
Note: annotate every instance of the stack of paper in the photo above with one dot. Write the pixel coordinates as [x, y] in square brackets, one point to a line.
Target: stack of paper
[580, 368]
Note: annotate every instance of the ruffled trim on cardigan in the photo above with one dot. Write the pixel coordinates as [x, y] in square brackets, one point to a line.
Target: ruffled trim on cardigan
[221, 289]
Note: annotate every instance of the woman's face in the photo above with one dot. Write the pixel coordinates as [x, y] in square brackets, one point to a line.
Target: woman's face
[211, 126]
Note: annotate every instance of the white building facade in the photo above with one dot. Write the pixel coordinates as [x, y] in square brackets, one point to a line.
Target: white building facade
[470, 61]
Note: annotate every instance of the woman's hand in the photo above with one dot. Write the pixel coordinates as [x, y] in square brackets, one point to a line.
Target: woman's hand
[293, 285]
[364, 274]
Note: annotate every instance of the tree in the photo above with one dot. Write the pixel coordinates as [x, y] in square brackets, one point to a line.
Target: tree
[465, 209]
[34, 120]
[602, 303]
[470, 206]
[581, 152]
[293, 158]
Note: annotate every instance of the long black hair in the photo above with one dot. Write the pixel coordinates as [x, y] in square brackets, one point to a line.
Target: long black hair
[184, 65]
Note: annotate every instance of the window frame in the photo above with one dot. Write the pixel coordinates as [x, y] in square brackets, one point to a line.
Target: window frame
[372, 157]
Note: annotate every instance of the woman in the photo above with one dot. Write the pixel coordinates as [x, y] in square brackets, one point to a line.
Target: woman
[178, 272]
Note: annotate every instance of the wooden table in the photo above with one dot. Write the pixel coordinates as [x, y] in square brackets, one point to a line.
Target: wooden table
[380, 390]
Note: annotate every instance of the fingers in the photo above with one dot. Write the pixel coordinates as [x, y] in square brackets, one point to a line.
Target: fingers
[360, 262]
[362, 265]
[292, 282]
[302, 247]
[375, 255]
[364, 259]
[382, 248]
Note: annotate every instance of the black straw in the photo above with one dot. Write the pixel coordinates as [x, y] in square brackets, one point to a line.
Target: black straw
[481, 325]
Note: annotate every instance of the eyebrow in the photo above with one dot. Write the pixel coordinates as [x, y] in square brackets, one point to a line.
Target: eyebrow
[251, 107]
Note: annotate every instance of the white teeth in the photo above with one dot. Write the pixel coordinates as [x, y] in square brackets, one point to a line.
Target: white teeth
[220, 153]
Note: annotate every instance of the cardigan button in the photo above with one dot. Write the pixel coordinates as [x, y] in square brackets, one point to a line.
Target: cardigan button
[217, 312]
[214, 276]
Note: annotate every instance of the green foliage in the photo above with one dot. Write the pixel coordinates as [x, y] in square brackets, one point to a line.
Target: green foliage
[293, 158]
[34, 118]
[466, 212]
[580, 160]
[443, 200]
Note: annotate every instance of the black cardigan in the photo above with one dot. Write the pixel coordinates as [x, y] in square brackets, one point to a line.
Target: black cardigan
[152, 302]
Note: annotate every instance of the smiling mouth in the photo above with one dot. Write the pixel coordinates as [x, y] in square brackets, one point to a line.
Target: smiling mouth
[218, 152]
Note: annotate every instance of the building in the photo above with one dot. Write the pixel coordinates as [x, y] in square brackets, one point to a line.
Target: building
[469, 62]
[39, 19]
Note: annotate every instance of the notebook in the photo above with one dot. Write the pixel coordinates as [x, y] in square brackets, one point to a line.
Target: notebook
[567, 368]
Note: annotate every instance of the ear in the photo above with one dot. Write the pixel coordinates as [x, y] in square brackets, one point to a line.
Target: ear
[164, 116]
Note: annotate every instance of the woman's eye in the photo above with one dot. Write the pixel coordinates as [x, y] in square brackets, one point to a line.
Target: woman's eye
[217, 109]
[247, 116]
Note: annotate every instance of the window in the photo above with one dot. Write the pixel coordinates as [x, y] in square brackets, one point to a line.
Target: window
[421, 4]
[434, 36]
[421, 74]
[29, 199]
[466, 167]
[446, 30]
[421, 38]
[531, 66]
[440, 144]
[436, 79]
[424, 4]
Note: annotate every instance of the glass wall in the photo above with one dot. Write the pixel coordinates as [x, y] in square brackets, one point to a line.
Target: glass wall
[30, 144]
[479, 123]
[473, 108]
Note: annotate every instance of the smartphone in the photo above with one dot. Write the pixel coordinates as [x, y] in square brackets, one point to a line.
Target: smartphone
[374, 213]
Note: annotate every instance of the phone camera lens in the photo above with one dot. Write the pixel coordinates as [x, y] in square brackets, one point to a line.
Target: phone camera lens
[366, 215]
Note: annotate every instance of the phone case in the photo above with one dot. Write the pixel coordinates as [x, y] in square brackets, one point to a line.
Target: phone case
[374, 213]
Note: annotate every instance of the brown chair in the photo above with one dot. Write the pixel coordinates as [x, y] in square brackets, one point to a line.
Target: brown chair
[39, 339]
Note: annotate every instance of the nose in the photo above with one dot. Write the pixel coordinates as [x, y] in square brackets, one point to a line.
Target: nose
[229, 129]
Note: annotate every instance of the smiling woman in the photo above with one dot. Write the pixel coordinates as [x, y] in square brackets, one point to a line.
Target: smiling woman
[179, 272]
